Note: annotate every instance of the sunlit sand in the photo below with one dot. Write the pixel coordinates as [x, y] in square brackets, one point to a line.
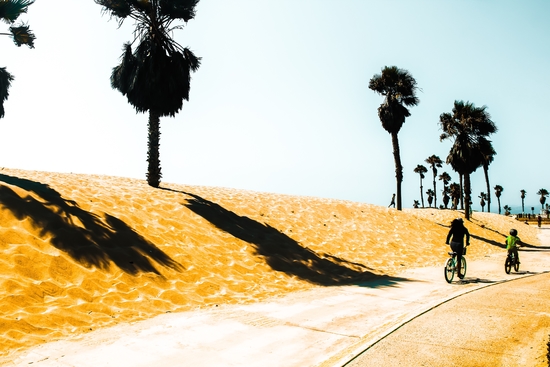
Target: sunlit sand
[82, 252]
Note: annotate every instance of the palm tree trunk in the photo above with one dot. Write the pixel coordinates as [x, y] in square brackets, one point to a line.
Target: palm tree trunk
[398, 168]
[435, 191]
[153, 150]
[486, 171]
[461, 179]
[498, 199]
[421, 194]
[467, 192]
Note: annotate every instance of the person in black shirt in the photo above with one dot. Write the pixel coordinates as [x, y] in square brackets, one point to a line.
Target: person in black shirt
[456, 235]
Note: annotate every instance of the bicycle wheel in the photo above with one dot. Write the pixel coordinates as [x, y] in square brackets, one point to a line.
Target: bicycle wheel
[516, 264]
[462, 268]
[449, 270]
[508, 265]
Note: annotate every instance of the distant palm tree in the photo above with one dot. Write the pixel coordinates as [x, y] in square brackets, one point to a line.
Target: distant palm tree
[10, 10]
[430, 194]
[488, 153]
[523, 192]
[416, 204]
[543, 194]
[155, 76]
[465, 126]
[446, 197]
[507, 210]
[483, 197]
[399, 89]
[446, 178]
[434, 162]
[498, 192]
[456, 193]
[421, 170]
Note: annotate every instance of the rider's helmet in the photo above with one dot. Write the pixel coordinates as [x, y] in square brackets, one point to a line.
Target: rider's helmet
[513, 232]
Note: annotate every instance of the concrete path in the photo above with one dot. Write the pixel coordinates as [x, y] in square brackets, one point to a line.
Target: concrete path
[322, 327]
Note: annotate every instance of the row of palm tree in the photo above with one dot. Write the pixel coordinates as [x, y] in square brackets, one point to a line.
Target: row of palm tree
[467, 126]
[10, 10]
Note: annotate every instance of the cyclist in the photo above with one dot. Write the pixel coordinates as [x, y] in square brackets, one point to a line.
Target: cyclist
[456, 235]
[512, 243]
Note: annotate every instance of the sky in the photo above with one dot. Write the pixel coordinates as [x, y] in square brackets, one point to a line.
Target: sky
[281, 102]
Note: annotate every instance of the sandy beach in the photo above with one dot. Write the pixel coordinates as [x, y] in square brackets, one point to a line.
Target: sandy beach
[86, 252]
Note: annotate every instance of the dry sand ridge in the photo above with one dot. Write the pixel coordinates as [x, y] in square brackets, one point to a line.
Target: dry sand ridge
[82, 252]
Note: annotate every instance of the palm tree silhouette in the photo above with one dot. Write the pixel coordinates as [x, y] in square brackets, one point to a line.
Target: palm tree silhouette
[434, 162]
[10, 10]
[399, 89]
[507, 210]
[420, 169]
[456, 194]
[498, 192]
[156, 75]
[430, 194]
[466, 126]
[523, 192]
[483, 197]
[543, 194]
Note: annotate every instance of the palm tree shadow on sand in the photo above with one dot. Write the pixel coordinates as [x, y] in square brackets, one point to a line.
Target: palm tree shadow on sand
[89, 239]
[284, 254]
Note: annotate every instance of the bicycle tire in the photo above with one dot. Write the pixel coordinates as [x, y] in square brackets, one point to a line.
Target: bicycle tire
[508, 265]
[463, 267]
[449, 270]
[516, 264]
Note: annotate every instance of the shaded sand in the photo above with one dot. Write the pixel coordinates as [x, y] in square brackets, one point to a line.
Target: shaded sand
[82, 252]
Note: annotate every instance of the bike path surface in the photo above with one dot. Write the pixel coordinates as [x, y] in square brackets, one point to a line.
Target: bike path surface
[322, 327]
[504, 325]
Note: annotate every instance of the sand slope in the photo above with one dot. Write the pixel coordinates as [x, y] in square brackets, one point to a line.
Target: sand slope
[80, 252]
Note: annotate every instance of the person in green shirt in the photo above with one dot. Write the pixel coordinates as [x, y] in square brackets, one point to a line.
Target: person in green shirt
[512, 243]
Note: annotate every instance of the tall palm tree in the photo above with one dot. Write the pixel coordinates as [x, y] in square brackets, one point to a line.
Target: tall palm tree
[399, 90]
[488, 153]
[434, 162]
[523, 192]
[498, 192]
[156, 75]
[543, 194]
[483, 197]
[465, 126]
[421, 170]
[10, 10]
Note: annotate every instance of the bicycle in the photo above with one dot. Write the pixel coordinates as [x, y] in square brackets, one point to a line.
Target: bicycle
[450, 266]
[511, 261]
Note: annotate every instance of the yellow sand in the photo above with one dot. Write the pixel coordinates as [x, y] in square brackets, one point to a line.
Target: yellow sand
[82, 252]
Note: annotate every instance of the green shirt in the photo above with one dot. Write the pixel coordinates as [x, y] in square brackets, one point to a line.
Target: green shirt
[512, 242]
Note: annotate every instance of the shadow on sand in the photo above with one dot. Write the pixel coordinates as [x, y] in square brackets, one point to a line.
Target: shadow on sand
[87, 238]
[284, 254]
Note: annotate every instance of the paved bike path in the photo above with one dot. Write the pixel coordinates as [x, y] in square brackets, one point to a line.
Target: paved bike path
[503, 325]
[325, 326]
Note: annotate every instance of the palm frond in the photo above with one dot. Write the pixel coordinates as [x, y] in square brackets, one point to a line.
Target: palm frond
[117, 8]
[22, 35]
[5, 83]
[178, 9]
[10, 10]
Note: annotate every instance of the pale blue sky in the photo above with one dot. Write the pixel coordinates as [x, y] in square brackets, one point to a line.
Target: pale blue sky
[281, 101]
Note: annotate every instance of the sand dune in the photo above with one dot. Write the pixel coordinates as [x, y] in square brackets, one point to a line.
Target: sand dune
[81, 252]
